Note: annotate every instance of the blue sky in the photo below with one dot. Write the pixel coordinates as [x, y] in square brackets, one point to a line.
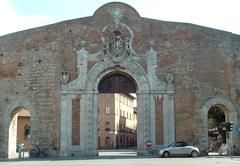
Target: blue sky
[16, 15]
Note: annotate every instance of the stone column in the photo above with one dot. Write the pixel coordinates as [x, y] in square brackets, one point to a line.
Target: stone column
[95, 124]
[152, 120]
[66, 124]
[83, 122]
[143, 120]
[168, 119]
[88, 124]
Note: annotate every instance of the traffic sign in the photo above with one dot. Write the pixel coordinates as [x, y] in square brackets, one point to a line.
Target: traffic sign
[148, 143]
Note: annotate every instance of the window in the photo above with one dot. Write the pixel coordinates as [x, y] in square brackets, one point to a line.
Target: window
[107, 141]
[107, 109]
[107, 126]
[121, 98]
[98, 126]
[129, 103]
[180, 144]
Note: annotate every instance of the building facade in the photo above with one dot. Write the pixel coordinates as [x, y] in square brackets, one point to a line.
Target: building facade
[117, 121]
[179, 71]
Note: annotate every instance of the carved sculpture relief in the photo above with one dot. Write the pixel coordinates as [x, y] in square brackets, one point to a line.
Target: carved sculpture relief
[64, 77]
[116, 14]
[169, 78]
[82, 56]
[116, 47]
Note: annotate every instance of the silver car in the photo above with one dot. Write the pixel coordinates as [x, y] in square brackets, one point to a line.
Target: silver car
[179, 149]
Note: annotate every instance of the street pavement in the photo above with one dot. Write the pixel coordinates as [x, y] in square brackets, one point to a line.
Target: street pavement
[200, 161]
[124, 158]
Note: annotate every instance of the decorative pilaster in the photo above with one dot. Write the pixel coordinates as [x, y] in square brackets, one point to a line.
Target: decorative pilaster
[168, 119]
[88, 126]
[143, 118]
[66, 124]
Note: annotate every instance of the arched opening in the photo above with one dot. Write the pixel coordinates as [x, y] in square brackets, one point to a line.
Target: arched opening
[117, 112]
[117, 83]
[217, 135]
[19, 132]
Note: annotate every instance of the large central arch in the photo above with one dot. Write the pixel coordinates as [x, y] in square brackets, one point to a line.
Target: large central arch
[145, 106]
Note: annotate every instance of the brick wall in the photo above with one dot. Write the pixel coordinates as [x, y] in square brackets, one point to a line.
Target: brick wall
[75, 121]
[159, 122]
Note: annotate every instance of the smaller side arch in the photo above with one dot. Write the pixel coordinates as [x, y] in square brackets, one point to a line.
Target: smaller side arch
[221, 101]
[7, 111]
[12, 106]
[204, 118]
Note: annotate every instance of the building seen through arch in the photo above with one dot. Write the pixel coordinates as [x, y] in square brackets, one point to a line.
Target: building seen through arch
[181, 74]
[217, 133]
[117, 112]
[117, 121]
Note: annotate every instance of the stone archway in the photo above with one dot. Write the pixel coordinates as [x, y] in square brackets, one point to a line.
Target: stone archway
[84, 89]
[117, 93]
[10, 112]
[145, 107]
[231, 116]
[117, 83]
[116, 56]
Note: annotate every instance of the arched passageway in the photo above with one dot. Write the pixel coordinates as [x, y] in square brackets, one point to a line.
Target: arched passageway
[117, 112]
[19, 132]
[217, 134]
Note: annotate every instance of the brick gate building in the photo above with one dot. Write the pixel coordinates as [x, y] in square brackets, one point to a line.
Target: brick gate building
[178, 71]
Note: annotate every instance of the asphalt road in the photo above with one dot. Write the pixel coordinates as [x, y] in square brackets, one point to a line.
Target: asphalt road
[200, 161]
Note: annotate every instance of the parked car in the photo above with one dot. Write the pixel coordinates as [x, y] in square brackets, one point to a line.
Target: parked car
[179, 149]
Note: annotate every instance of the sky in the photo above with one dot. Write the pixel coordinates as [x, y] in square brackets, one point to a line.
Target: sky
[17, 15]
